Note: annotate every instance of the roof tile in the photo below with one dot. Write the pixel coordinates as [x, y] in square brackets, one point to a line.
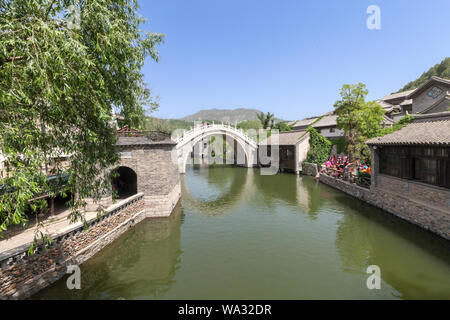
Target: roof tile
[431, 129]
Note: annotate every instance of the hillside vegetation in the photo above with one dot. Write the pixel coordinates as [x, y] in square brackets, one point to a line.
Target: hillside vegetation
[225, 115]
[441, 70]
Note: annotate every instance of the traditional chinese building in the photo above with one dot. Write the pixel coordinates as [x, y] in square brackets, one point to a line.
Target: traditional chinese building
[327, 125]
[414, 165]
[293, 147]
[431, 97]
[302, 125]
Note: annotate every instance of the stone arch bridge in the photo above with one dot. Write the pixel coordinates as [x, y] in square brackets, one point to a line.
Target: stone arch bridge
[150, 163]
[245, 148]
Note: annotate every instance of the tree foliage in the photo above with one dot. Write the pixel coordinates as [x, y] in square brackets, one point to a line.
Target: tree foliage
[397, 126]
[341, 145]
[359, 119]
[58, 86]
[249, 124]
[267, 120]
[282, 126]
[320, 147]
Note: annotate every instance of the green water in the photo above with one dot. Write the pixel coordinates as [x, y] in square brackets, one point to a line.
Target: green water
[240, 235]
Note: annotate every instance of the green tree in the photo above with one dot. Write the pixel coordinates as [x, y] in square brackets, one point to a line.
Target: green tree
[320, 147]
[58, 85]
[397, 126]
[359, 119]
[267, 120]
[155, 124]
[249, 124]
[282, 126]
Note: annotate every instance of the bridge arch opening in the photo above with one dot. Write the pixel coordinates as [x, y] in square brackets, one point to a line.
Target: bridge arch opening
[245, 146]
[125, 184]
[200, 150]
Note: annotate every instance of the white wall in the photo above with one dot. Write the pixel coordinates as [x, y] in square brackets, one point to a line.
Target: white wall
[302, 151]
[328, 134]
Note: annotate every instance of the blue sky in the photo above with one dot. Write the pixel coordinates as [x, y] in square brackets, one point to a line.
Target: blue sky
[287, 57]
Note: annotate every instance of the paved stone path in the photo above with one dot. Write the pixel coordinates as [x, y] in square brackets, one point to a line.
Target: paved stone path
[52, 226]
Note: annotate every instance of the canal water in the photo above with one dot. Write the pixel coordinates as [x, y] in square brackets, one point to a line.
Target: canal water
[240, 235]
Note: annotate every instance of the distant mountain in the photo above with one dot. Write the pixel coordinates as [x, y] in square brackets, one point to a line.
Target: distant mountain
[225, 115]
[441, 70]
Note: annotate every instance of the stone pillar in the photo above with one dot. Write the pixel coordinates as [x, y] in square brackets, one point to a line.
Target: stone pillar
[375, 164]
[235, 151]
[296, 157]
[224, 148]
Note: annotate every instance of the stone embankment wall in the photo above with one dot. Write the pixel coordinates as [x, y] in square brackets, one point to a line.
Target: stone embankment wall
[310, 169]
[159, 191]
[157, 174]
[22, 275]
[428, 215]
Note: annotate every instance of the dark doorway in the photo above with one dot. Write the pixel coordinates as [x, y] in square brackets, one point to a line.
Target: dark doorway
[125, 184]
[60, 203]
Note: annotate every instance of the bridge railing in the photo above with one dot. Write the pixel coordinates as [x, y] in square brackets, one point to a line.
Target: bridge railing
[187, 135]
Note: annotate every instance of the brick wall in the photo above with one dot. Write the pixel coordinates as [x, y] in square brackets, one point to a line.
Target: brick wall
[157, 174]
[23, 275]
[428, 215]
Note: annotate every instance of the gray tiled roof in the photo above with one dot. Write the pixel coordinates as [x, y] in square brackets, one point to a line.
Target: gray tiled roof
[406, 102]
[387, 120]
[430, 129]
[397, 95]
[303, 123]
[326, 121]
[286, 138]
[385, 105]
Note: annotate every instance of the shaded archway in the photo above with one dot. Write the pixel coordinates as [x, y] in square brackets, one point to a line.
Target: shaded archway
[239, 154]
[125, 184]
[245, 145]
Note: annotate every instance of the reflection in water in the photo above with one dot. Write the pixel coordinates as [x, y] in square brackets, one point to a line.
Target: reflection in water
[240, 235]
[225, 189]
[410, 264]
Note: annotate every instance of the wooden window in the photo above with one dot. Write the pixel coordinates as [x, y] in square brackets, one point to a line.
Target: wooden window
[391, 165]
[447, 174]
[428, 168]
[428, 165]
[443, 175]
[407, 168]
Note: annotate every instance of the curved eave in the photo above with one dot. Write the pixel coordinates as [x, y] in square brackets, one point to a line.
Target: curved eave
[409, 144]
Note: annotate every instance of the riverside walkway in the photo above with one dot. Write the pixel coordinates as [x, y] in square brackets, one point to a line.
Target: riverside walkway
[53, 227]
